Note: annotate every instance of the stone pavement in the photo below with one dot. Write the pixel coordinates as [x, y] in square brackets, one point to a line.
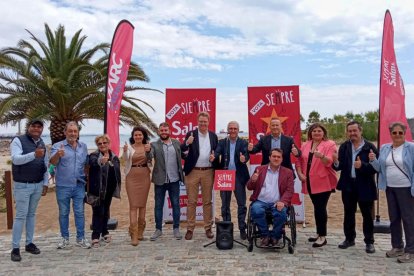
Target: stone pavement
[167, 256]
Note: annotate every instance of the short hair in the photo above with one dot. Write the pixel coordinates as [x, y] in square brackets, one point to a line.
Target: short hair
[71, 123]
[275, 118]
[203, 114]
[103, 137]
[276, 149]
[144, 132]
[395, 124]
[233, 122]
[164, 124]
[354, 123]
[316, 125]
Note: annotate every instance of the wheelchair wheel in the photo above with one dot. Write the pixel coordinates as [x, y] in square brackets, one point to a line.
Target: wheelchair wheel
[292, 223]
[250, 246]
[291, 249]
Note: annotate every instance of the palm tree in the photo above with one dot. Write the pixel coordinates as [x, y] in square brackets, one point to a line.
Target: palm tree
[61, 83]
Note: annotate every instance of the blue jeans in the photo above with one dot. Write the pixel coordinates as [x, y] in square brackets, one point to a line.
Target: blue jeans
[258, 213]
[173, 189]
[26, 197]
[63, 197]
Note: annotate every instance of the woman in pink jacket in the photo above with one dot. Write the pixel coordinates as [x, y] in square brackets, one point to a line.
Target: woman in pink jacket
[314, 169]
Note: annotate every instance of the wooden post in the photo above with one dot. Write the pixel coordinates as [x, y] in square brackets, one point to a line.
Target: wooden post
[9, 199]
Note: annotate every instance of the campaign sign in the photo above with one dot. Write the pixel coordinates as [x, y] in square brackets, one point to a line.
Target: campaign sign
[225, 180]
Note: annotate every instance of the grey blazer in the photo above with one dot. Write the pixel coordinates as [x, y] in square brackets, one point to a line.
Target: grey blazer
[159, 171]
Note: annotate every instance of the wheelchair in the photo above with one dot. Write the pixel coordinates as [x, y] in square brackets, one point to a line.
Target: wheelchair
[289, 239]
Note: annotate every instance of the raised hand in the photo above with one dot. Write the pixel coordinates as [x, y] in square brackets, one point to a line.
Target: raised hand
[147, 147]
[125, 147]
[318, 154]
[242, 157]
[61, 151]
[190, 139]
[371, 155]
[39, 152]
[250, 146]
[357, 163]
[255, 176]
[212, 157]
[105, 158]
[295, 151]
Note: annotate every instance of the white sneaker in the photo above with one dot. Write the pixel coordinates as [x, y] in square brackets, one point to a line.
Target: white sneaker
[63, 243]
[83, 243]
[177, 234]
[156, 235]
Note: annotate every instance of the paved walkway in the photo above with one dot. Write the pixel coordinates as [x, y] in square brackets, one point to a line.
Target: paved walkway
[167, 256]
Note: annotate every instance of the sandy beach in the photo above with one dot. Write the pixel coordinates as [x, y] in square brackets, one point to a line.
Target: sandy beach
[47, 213]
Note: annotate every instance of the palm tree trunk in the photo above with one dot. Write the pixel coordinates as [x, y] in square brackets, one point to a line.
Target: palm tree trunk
[57, 128]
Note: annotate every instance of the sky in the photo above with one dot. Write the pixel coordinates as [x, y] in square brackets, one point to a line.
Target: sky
[331, 49]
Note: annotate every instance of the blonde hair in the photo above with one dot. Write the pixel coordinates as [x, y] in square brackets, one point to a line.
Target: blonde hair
[104, 137]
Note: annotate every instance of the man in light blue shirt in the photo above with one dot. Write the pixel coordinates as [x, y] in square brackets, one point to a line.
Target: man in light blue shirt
[70, 158]
[30, 180]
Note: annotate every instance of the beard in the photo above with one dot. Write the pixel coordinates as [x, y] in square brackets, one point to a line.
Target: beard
[165, 137]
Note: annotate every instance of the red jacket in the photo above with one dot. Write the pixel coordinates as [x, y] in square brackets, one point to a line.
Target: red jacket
[286, 184]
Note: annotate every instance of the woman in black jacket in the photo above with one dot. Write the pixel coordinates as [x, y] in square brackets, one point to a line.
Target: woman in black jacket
[105, 183]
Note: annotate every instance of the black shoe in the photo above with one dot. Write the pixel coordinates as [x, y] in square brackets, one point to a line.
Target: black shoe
[32, 248]
[313, 239]
[15, 255]
[321, 241]
[345, 244]
[369, 248]
[243, 235]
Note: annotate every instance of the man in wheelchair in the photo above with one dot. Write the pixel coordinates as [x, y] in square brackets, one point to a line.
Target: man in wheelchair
[273, 187]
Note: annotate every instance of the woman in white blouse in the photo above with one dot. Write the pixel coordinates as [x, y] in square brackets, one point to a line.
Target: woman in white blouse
[396, 176]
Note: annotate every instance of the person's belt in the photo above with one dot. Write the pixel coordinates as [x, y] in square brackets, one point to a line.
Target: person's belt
[140, 166]
[202, 168]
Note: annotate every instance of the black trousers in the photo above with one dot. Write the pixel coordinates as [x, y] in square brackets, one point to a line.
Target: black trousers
[350, 202]
[240, 194]
[320, 202]
[100, 215]
[400, 209]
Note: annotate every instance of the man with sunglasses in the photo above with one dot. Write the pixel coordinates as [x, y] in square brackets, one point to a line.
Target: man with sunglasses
[357, 184]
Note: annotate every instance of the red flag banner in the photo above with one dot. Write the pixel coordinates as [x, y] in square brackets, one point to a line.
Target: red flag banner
[392, 93]
[182, 107]
[224, 180]
[267, 102]
[118, 67]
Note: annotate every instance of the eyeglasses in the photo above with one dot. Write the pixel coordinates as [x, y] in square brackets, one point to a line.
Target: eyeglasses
[397, 133]
[102, 143]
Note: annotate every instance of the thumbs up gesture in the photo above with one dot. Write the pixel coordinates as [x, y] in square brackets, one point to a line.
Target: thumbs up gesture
[242, 158]
[147, 147]
[61, 151]
[295, 151]
[125, 147]
[250, 146]
[318, 154]
[371, 155]
[212, 157]
[105, 158]
[190, 139]
[255, 176]
[357, 163]
[39, 152]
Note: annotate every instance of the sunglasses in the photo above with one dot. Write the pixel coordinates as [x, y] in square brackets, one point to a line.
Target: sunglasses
[103, 143]
[397, 133]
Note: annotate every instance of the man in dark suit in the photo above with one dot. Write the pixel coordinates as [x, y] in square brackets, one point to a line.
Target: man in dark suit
[275, 140]
[273, 189]
[199, 171]
[233, 155]
[357, 184]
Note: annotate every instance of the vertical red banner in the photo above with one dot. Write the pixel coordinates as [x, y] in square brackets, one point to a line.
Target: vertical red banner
[183, 105]
[392, 93]
[267, 102]
[118, 67]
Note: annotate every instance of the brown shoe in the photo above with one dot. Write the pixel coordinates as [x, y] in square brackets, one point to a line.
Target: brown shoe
[209, 234]
[406, 258]
[141, 228]
[189, 235]
[265, 241]
[133, 232]
[394, 252]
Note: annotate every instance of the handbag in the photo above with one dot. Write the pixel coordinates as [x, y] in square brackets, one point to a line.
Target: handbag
[89, 198]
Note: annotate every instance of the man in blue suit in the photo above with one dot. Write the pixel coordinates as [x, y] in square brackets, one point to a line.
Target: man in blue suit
[276, 140]
[233, 155]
